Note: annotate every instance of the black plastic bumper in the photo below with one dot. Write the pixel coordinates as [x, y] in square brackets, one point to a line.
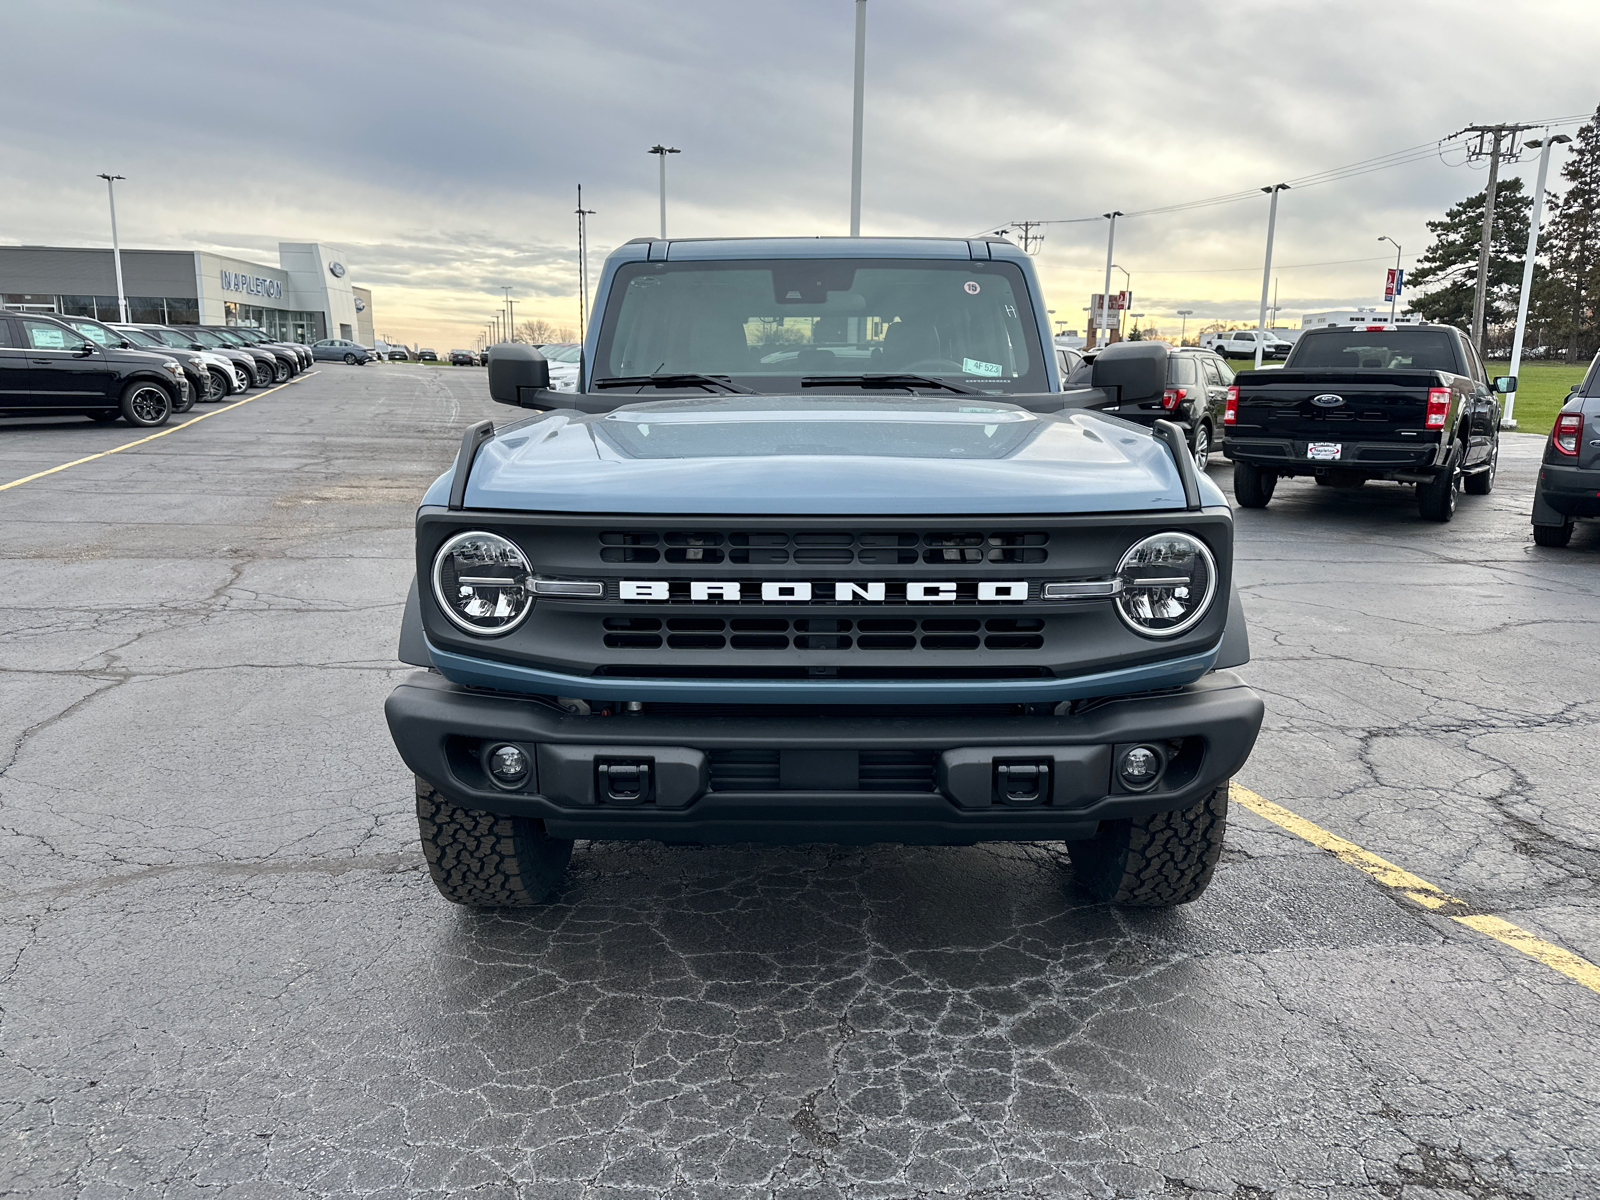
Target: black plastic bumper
[1565, 492]
[983, 766]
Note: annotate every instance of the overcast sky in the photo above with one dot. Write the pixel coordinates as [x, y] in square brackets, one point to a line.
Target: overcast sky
[441, 145]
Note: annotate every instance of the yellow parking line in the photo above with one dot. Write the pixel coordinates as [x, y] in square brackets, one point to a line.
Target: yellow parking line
[141, 441]
[1415, 888]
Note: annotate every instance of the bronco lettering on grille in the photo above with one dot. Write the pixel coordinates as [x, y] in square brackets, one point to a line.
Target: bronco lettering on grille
[844, 592]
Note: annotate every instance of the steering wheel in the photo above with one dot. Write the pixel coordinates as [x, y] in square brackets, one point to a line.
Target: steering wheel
[934, 366]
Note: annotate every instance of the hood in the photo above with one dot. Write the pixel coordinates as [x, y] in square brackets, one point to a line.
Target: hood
[814, 455]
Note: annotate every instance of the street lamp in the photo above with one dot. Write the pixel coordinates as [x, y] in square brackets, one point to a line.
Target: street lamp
[1266, 270]
[1111, 241]
[511, 314]
[1136, 317]
[1185, 313]
[116, 248]
[661, 152]
[1544, 146]
[1127, 282]
[1394, 298]
[856, 118]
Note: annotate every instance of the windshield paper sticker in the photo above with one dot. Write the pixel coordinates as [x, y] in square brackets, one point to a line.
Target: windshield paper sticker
[973, 367]
[971, 286]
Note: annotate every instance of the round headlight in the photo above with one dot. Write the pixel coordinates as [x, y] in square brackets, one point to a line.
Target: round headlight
[1167, 584]
[481, 582]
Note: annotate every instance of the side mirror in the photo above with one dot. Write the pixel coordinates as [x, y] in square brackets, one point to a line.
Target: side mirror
[517, 372]
[1505, 384]
[86, 349]
[1137, 369]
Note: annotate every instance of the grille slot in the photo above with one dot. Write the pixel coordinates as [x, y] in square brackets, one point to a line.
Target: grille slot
[824, 633]
[879, 770]
[710, 547]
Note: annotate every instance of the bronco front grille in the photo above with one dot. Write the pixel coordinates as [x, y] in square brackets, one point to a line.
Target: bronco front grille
[710, 547]
[813, 633]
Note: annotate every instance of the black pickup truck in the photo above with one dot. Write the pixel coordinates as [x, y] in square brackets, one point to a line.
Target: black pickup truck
[1410, 404]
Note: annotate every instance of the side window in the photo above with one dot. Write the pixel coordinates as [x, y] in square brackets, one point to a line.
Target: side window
[94, 333]
[1213, 376]
[43, 336]
[1224, 371]
[1474, 363]
[5, 332]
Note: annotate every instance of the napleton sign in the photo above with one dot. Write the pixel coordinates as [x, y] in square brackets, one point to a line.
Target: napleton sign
[253, 285]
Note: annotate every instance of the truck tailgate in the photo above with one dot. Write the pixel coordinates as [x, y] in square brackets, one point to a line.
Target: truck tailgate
[1332, 405]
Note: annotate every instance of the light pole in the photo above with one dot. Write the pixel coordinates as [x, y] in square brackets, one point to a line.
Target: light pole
[1394, 299]
[1266, 270]
[583, 263]
[661, 152]
[1127, 282]
[1185, 313]
[1545, 145]
[511, 317]
[1111, 241]
[1136, 317]
[116, 248]
[857, 118]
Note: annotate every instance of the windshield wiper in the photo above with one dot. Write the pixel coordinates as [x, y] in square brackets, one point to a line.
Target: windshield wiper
[690, 379]
[908, 382]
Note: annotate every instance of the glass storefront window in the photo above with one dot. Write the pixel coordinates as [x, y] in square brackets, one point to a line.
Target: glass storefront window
[147, 310]
[182, 311]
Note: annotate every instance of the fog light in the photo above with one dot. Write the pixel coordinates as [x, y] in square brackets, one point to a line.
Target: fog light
[1139, 768]
[508, 765]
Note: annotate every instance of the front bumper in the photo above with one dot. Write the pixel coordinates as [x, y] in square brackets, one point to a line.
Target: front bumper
[1567, 492]
[1205, 731]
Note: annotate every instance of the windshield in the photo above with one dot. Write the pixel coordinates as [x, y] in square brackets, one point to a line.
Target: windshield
[563, 354]
[768, 324]
[1419, 349]
[96, 332]
[140, 338]
[206, 338]
[174, 337]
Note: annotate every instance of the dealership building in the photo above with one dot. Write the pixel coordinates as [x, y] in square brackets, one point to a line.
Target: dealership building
[306, 297]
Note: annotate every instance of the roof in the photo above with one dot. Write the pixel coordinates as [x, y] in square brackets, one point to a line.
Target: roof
[701, 249]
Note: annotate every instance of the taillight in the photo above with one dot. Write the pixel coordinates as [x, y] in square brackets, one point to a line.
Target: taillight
[1438, 407]
[1230, 415]
[1568, 432]
[1170, 397]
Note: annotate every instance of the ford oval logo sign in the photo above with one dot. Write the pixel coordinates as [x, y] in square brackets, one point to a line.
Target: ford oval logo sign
[1327, 400]
[337, 269]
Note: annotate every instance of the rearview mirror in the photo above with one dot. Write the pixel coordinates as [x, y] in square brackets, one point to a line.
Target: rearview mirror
[516, 373]
[1505, 384]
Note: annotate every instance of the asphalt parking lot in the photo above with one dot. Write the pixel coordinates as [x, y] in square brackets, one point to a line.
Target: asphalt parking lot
[226, 972]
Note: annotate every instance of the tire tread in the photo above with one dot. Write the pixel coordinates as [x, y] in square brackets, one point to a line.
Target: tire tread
[487, 860]
[1158, 861]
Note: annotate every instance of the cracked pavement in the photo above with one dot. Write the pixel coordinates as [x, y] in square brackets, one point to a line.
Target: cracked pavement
[225, 973]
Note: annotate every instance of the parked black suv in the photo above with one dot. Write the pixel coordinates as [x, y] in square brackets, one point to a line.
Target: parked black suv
[194, 368]
[282, 362]
[1569, 477]
[49, 368]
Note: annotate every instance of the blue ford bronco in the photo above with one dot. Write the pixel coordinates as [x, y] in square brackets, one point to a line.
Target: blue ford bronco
[820, 551]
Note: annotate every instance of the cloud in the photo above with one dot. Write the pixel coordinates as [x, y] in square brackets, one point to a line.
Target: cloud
[443, 146]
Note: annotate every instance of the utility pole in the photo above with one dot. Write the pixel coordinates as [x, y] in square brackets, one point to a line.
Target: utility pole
[661, 152]
[1490, 136]
[1394, 299]
[1111, 241]
[1266, 270]
[1185, 313]
[857, 117]
[116, 247]
[1030, 240]
[1544, 147]
[583, 264]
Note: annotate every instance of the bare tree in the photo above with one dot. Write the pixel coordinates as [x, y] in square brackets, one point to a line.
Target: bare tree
[540, 332]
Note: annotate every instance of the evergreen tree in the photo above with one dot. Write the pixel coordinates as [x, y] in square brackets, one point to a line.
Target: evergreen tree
[1572, 244]
[1447, 271]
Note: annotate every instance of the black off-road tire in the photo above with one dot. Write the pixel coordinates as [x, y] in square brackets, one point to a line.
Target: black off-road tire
[1156, 861]
[1253, 486]
[1481, 483]
[485, 860]
[1554, 536]
[1436, 499]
